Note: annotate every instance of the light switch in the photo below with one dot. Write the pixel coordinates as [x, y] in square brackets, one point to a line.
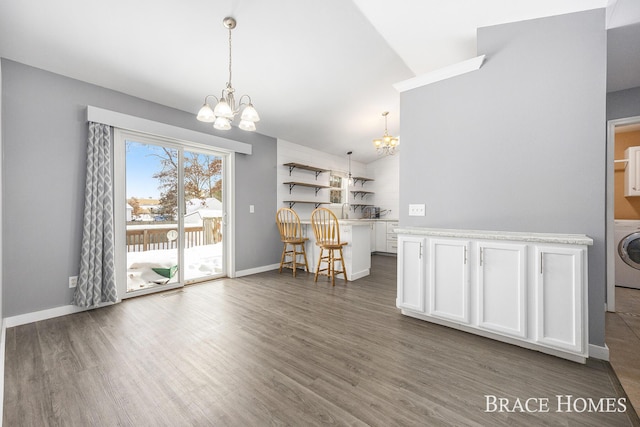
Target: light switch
[416, 210]
[252, 209]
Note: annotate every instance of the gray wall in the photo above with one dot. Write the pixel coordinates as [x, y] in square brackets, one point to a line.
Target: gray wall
[256, 181]
[1, 193]
[44, 135]
[623, 104]
[518, 145]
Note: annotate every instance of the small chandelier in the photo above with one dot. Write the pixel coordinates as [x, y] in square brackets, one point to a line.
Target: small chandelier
[387, 144]
[225, 110]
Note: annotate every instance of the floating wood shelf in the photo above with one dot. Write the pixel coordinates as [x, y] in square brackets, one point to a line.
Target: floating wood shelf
[293, 202]
[361, 179]
[356, 206]
[313, 169]
[317, 187]
[361, 193]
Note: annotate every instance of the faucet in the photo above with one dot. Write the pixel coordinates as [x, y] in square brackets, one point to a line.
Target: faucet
[348, 209]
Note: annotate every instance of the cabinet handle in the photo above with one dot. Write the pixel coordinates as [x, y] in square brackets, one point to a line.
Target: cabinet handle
[420, 256]
[465, 254]
[541, 262]
[481, 255]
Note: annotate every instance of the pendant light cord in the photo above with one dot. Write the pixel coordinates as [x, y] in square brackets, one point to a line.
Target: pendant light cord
[229, 84]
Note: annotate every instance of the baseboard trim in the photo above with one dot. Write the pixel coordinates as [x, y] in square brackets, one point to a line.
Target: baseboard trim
[257, 270]
[599, 352]
[36, 316]
[3, 340]
[359, 274]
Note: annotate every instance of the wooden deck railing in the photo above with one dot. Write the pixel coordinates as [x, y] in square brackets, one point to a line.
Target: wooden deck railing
[140, 240]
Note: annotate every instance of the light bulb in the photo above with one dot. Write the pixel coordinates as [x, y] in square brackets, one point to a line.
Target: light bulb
[206, 114]
[223, 110]
[222, 123]
[250, 114]
[247, 125]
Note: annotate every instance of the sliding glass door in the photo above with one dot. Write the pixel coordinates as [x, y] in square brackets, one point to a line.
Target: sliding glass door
[172, 210]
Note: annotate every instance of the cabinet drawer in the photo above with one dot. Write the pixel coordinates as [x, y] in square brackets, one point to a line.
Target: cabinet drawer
[392, 237]
[391, 226]
[392, 247]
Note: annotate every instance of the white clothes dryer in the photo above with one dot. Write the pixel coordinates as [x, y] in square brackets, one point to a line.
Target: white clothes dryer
[627, 239]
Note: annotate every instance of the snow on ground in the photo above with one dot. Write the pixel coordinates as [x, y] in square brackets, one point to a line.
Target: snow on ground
[200, 261]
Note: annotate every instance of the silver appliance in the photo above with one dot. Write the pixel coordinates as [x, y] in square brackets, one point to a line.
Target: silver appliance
[627, 240]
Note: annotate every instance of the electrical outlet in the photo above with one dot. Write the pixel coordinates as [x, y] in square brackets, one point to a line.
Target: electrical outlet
[73, 281]
[252, 209]
[416, 210]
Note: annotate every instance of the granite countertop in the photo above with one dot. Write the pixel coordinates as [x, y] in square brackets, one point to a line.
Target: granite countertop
[357, 221]
[567, 239]
[374, 219]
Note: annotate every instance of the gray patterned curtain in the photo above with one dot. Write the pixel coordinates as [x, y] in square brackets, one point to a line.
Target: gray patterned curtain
[96, 281]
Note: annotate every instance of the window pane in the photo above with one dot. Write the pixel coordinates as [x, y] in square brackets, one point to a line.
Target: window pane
[152, 205]
[335, 196]
[203, 216]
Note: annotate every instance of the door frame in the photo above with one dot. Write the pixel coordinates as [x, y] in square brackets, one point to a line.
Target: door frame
[610, 253]
[119, 185]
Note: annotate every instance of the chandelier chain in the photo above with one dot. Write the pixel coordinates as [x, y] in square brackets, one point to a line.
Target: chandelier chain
[229, 84]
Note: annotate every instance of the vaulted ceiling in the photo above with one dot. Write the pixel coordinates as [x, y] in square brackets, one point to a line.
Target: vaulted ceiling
[319, 73]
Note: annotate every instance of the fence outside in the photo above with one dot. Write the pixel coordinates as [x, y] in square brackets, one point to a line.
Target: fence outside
[146, 239]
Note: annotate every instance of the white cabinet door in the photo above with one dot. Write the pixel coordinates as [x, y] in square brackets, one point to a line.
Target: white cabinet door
[411, 273]
[632, 172]
[372, 242]
[381, 236]
[502, 288]
[448, 281]
[559, 297]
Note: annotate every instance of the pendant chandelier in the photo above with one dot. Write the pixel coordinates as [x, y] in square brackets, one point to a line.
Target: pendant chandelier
[387, 144]
[226, 110]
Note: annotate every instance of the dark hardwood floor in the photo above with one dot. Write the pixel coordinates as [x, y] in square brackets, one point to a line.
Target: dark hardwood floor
[623, 338]
[269, 349]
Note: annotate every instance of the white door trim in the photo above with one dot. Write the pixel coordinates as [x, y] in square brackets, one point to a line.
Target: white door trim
[610, 254]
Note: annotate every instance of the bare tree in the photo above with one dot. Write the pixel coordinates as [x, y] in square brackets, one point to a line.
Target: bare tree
[200, 173]
[168, 181]
[135, 204]
[202, 178]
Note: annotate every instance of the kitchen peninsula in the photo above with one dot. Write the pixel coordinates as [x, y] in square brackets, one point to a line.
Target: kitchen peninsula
[357, 252]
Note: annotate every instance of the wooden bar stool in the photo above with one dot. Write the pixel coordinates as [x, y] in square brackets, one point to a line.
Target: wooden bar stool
[327, 231]
[291, 236]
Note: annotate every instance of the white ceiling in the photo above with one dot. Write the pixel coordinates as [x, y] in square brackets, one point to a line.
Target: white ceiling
[319, 73]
